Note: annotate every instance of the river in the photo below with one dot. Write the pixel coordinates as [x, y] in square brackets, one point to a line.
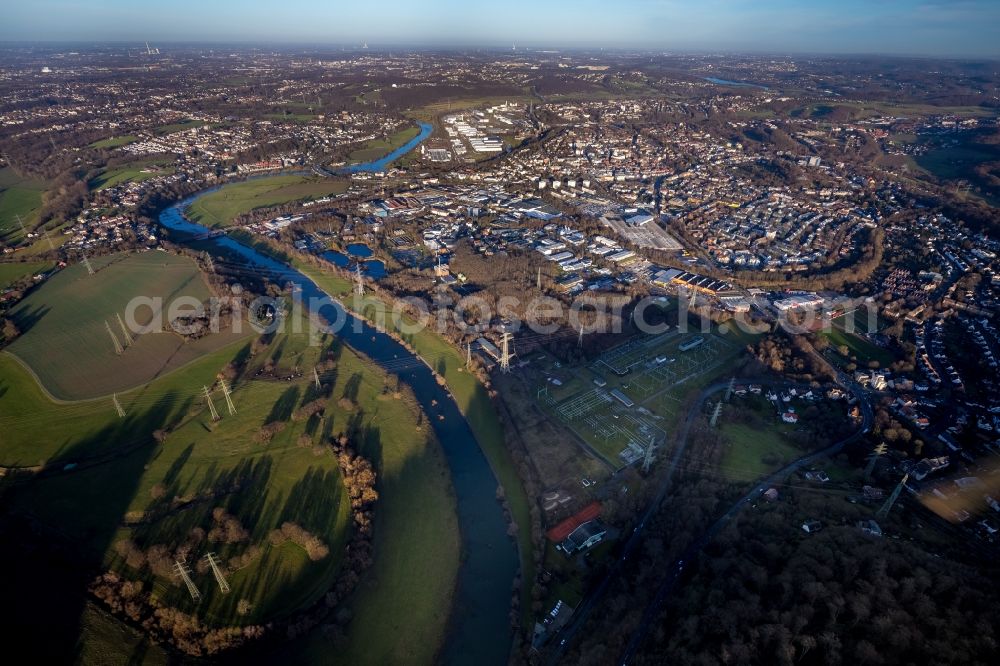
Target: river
[479, 631]
[738, 84]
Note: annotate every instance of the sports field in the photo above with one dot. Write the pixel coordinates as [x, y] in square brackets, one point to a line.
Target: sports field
[64, 325]
[114, 142]
[137, 172]
[18, 197]
[221, 207]
[858, 347]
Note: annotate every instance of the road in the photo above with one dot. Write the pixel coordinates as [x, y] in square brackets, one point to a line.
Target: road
[693, 550]
[561, 641]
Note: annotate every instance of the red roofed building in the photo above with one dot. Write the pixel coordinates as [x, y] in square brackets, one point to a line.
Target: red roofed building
[559, 533]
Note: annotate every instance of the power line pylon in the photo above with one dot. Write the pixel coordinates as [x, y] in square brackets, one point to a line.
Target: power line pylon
[208, 399]
[182, 571]
[647, 460]
[579, 338]
[86, 262]
[229, 399]
[729, 391]
[876, 453]
[118, 406]
[128, 336]
[505, 353]
[359, 283]
[716, 414]
[316, 379]
[213, 561]
[538, 283]
[114, 339]
[468, 355]
[887, 507]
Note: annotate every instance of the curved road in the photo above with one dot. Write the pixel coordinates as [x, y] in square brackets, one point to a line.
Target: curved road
[583, 611]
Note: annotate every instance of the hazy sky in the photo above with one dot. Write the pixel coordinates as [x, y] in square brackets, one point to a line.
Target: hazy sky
[937, 27]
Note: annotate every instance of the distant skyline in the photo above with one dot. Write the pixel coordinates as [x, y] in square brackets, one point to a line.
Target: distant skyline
[969, 28]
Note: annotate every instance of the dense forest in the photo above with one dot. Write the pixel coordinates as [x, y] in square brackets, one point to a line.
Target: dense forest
[766, 592]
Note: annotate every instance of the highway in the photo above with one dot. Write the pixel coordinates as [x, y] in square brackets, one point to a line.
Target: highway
[561, 641]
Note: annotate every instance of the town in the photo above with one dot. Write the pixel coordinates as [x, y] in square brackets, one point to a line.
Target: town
[684, 318]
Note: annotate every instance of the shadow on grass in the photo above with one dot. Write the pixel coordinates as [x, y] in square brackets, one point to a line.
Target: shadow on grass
[54, 557]
[284, 406]
[25, 318]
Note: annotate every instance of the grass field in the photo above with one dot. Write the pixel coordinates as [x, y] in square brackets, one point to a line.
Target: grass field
[377, 148]
[115, 141]
[858, 347]
[18, 197]
[221, 207]
[12, 271]
[475, 404]
[163, 130]
[401, 610]
[137, 171]
[104, 640]
[64, 338]
[430, 112]
[751, 452]
[292, 117]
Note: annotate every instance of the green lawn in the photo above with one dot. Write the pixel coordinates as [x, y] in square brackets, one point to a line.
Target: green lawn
[64, 337]
[752, 453]
[18, 197]
[115, 141]
[13, 271]
[221, 207]
[377, 148]
[137, 171]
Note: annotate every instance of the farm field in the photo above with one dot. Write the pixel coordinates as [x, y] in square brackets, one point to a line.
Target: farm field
[206, 464]
[65, 340]
[18, 197]
[220, 208]
[13, 271]
[377, 148]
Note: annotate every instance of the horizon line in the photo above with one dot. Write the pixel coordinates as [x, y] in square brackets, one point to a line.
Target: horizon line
[529, 47]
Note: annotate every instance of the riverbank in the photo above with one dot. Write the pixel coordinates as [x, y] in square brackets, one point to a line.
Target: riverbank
[474, 402]
[479, 625]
